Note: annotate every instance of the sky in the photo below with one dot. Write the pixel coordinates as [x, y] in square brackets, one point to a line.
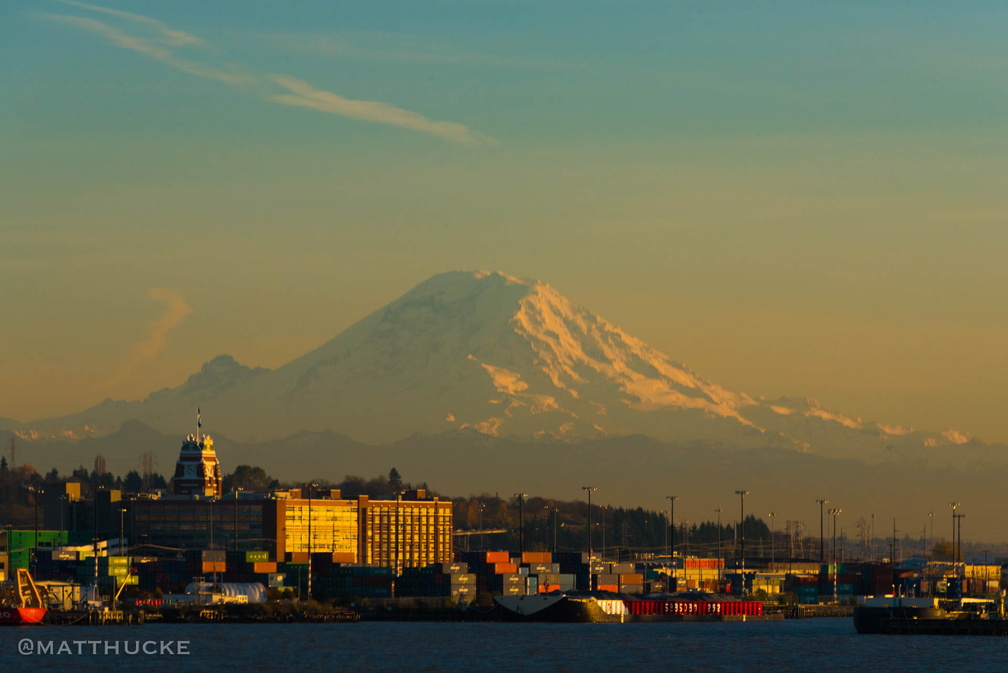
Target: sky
[791, 198]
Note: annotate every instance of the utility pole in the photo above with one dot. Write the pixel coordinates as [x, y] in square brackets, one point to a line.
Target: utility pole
[672, 499]
[719, 510]
[834, 513]
[772, 549]
[742, 494]
[521, 522]
[955, 556]
[822, 555]
[588, 490]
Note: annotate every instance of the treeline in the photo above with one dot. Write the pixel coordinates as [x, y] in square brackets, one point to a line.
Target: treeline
[492, 522]
[486, 521]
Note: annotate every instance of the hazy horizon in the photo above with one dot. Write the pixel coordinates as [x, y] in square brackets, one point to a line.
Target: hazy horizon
[792, 200]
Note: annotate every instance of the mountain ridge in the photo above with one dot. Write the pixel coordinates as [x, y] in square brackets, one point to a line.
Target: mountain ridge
[501, 356]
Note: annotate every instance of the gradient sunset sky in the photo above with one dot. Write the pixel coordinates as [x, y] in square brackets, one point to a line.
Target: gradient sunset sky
[792, 198]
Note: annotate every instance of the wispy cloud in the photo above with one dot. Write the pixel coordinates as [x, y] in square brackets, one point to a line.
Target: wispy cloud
[162, 51]
[176, 309]
[175, 38]
[161, 43]
[303, 94]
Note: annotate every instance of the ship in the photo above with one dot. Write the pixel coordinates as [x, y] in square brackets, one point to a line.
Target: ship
[20, 601]
[604, 606]
[903, 615]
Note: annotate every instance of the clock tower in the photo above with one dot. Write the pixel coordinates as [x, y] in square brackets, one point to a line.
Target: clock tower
[197, 471]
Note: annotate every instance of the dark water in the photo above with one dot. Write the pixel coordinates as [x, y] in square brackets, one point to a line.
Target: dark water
[814, 645]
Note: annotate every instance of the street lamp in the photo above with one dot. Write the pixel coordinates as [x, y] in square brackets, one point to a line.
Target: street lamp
[742, 495]
[236, 490]
[556, 517]
[822, 555]
[954, 505]
[931, 518]
[603, 531]
[35, 491]
[588, 490]
[834, 513]
[481, 508]
[772, 548]
[873, 537]
[959, 541]
[521, 522]
[672, 499]
[122, 533]
[719, 510]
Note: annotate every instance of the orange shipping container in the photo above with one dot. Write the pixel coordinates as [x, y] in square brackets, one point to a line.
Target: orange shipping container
[609, 587]
[264, 567]
[537, 557]
[504, 568]
[633, 578]
[497, 557]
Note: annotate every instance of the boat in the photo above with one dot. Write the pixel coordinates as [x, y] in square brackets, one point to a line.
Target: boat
[904, 615]
[603, 606]
[555, 607]
[20, 601]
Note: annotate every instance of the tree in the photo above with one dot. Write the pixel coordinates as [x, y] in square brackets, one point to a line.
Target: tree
[133, 482]
[248, 478]
[395, 479]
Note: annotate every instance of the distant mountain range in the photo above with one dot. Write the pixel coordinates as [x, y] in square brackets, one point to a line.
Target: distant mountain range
[507, 358]
[478, 360]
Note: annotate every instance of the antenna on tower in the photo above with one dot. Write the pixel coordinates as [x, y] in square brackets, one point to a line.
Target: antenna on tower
[199, 425]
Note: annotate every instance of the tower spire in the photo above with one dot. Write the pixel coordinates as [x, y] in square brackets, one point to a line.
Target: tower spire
[199, 425]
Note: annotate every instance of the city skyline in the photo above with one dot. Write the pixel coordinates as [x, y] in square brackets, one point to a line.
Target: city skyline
[791, 200]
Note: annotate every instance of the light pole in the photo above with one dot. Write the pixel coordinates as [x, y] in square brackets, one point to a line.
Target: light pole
[481, 508]
[742, 494]
[930, 556]
[834, 513]
[236, 490]
[719, 510]
[672, 499]
[873, 537]
[588, 490]
[35, 491]
[822, 554]
[521, 522]
[959, 541]
[954, 505]
[603, 531]
[772, 548]
[556, 517]
[122, 532]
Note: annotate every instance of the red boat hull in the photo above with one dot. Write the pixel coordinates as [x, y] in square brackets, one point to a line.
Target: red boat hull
[19, 616]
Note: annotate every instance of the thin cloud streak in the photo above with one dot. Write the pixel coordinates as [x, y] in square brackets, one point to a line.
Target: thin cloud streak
[176, 38]
[298, 93]
[152, 50]
[303, 94]
[157, 333]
